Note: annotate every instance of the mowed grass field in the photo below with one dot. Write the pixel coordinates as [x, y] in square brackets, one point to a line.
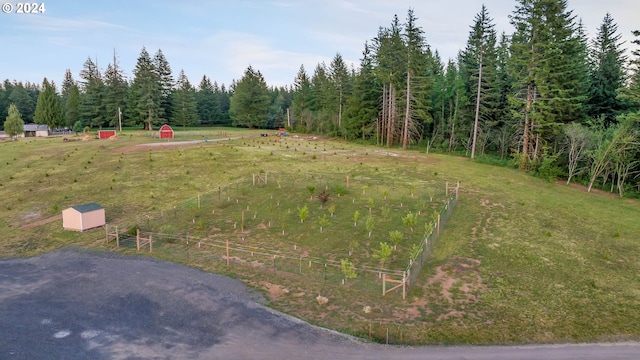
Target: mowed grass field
[521, 260]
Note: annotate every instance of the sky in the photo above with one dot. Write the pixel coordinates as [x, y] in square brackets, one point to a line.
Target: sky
[221, 38]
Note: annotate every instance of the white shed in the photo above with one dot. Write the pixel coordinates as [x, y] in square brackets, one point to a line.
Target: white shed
[36, 130]
[83, 217]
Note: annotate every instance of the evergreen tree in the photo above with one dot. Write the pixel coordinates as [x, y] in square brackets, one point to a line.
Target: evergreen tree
[390, 68]
[420, 69]
[67, 83]
[116, 89]
[280, 100]
[208, 108]
[4, 101]
[339, 75]
[92, 99]
[302, 100]
[631, 94]
[480, 61]
[22, 98]
[72, 107]
[362, 105]
[250, 101]
[455, 98]
[48, 108]
[544, 52]
[185, 107]
[13, 124]
[607, 73]
[145, 96]
[322, 105]
[223, 99]
[166, 83]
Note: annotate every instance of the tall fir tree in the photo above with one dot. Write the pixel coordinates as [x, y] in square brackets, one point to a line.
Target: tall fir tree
[480, 62]
[185, 107]
[223, 99]
[607, 72]
[250, 101]
[206, 102]
[48, 108]
[22, 97]
[362, 105]
[545, 49]
[144, 105]
[420, 71]
[92, 111]
[67, 83]
[166, 83]
[72, 108]
[340, 79]
[116, 91]
[630, 94]
[302, 98]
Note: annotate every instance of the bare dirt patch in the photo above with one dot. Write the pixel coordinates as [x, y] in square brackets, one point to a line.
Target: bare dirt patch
[41, 222]
[459, 284]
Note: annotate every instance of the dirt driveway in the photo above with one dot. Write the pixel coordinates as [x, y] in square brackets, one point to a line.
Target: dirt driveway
[71, 305]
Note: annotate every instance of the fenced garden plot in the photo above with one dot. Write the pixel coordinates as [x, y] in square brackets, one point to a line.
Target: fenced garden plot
[332, 228]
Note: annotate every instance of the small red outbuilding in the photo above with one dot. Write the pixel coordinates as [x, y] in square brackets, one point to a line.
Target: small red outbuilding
[105, 134]
[165, 132]
[83, 217]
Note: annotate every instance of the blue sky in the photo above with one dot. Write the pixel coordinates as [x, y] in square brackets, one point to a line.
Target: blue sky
[222, 38]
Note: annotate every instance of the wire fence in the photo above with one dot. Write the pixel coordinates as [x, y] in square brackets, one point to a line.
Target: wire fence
[235, 224]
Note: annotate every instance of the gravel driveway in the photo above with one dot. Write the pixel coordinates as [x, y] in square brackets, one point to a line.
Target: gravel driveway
[71, 304]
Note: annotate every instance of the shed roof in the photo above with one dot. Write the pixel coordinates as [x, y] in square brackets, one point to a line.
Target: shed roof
[87, 207]
[36, 127]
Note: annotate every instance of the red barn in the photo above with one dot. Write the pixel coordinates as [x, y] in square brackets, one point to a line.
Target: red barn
[105, 134]
[165, 132]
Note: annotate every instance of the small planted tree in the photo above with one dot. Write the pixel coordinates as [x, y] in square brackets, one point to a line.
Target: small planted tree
[323, 197]
[332, 209]
[383, 253]
[415, 251]
[348, 269]
[385, 211]
[428, 229]
[323, 221]
[353, 244]
[431, 192]
[311, 189]
[340, 190]
[356, 216]
[369, 224]
[410, 220]
[396, 237]
[385, 193]
[370, 203]
[303, 213]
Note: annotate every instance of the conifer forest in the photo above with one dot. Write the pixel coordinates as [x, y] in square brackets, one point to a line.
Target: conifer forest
[544, 98]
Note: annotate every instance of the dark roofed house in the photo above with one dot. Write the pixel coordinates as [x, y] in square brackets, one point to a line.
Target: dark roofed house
[83, 217]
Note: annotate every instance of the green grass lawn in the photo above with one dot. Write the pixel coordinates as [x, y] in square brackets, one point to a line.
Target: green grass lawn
[520, 261]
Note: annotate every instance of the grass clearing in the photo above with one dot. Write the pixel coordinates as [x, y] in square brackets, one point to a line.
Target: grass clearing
[520, 261]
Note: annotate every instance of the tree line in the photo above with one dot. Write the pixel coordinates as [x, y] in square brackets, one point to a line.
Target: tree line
[544, 97]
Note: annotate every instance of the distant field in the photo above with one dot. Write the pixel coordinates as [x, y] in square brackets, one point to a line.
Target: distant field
[520, 261]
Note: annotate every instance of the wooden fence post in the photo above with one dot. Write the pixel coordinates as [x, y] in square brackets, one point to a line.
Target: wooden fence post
[227, 242]
[384, 284]
[137, 239]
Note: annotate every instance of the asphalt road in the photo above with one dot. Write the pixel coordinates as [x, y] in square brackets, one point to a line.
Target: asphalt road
[78, 305]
